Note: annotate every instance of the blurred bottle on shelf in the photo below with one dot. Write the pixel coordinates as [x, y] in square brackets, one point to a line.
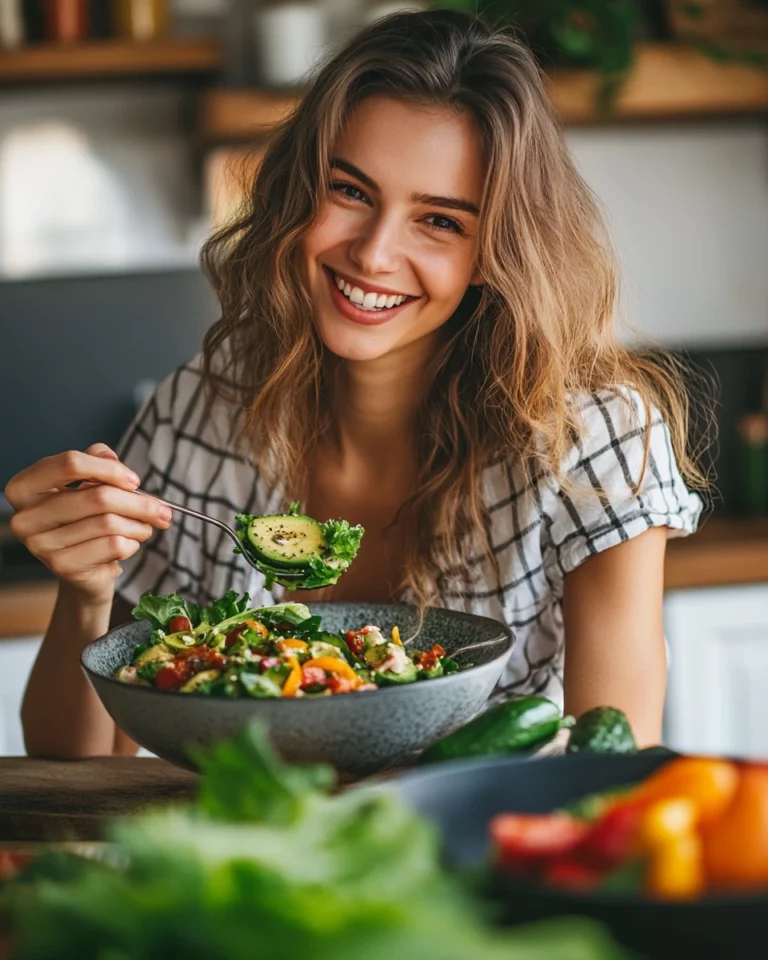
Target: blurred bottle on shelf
[12, 31]
[753, 436]
[290, 41]
[198, 18]
[67, 21]
[141, 19]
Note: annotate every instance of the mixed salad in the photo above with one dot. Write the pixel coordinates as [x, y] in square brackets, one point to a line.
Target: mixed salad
[696, 826]
[231, 650]
[297, 551]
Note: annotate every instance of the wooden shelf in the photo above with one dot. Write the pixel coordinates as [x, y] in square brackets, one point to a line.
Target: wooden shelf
[668, 82]
[26, 608]
[108, 59]
[722, 553]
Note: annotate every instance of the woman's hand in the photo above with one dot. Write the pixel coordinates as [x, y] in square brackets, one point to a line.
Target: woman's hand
[82, 534]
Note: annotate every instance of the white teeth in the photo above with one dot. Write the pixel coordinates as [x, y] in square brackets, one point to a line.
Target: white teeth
[368, 301]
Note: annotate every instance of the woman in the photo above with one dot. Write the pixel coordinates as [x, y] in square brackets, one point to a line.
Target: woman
[416, 334]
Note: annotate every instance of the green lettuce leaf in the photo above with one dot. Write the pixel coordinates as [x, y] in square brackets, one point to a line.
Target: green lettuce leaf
[159, 610]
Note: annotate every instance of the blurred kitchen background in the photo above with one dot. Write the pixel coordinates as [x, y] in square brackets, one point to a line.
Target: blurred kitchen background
[128, 126]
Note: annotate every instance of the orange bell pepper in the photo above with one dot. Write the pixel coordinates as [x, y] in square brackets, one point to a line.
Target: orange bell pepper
[257, 628]
[665, 821]
[710, 783]
[335, 666]
[736, 845]
[676, 869]
[291, 643]
[396, 636]
[292, 683]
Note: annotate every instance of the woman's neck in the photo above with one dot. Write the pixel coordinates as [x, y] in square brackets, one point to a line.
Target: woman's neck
[377, 404]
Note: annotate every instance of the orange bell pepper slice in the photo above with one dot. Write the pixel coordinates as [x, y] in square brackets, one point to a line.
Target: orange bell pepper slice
[676, 869]
[291, 643]
[736, 845]
[710, 783]
[666, 821]
[335, 666]
[257, 628]
[292, 683]
[396, 636]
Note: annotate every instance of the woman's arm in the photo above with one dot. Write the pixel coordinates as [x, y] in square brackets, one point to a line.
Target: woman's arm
[614, 637]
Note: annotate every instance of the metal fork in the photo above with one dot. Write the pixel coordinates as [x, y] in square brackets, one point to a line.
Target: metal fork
[222, 526]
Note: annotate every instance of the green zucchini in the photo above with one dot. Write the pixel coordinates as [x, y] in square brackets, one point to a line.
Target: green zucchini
[514, 725]
[602, 730]
[286, 541]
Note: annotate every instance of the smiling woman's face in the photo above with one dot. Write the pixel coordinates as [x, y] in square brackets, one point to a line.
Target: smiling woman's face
[397, 230]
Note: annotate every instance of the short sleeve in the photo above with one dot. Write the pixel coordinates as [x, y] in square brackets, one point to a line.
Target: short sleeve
[621, 479]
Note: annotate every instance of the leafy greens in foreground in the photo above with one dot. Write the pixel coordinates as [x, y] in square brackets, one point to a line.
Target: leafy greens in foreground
[267, 864]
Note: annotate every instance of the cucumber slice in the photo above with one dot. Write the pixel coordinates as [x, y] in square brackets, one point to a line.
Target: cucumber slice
[286, 541]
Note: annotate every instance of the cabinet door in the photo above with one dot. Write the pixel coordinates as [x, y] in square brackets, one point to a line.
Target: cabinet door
[16, 659]
[718, 670]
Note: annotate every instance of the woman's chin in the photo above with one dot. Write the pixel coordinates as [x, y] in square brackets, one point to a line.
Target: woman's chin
[357, 345]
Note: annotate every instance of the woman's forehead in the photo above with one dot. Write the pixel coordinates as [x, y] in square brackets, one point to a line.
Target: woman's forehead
[404, 146]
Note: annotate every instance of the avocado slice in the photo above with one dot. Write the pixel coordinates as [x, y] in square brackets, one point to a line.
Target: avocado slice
[194, 683]
[285, 541]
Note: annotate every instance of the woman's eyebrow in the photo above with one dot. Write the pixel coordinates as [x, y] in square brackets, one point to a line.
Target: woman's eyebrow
[450, 203]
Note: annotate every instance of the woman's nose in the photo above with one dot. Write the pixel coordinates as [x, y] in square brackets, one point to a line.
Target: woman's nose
[377, 249]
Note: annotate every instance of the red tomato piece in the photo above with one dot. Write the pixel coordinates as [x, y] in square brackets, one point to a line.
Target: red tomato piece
[11, 863]
[341, 685]
[215, 660]
[312, 677]
[572, 874]
[234, 634]
[169, 678]
[611, 839]
[179, 625]
[355, 642]
[267, 663]
[535, 837]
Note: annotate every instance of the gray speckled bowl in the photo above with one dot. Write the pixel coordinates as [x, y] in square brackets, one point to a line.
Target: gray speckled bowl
[358, 733]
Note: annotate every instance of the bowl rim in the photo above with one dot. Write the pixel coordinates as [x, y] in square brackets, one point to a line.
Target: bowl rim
[504, 633]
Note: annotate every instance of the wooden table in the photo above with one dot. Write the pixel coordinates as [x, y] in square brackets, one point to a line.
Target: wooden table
[50, 800]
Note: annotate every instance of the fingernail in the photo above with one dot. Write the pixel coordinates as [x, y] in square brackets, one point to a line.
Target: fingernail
[166, 514]
[132, 478]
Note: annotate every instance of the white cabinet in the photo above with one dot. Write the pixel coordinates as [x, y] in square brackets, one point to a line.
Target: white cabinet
[717, 697]
[16, 658]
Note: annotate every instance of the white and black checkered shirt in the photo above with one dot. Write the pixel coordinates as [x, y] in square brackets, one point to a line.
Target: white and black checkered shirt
[183, 451]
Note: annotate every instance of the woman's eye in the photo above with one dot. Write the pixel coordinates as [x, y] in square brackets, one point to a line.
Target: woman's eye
[348, 190]
[445, 223]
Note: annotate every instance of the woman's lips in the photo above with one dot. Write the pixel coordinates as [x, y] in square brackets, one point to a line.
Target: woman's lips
[369, 318]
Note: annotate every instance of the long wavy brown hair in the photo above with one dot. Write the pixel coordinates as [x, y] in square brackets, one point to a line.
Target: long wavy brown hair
[539, 331]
